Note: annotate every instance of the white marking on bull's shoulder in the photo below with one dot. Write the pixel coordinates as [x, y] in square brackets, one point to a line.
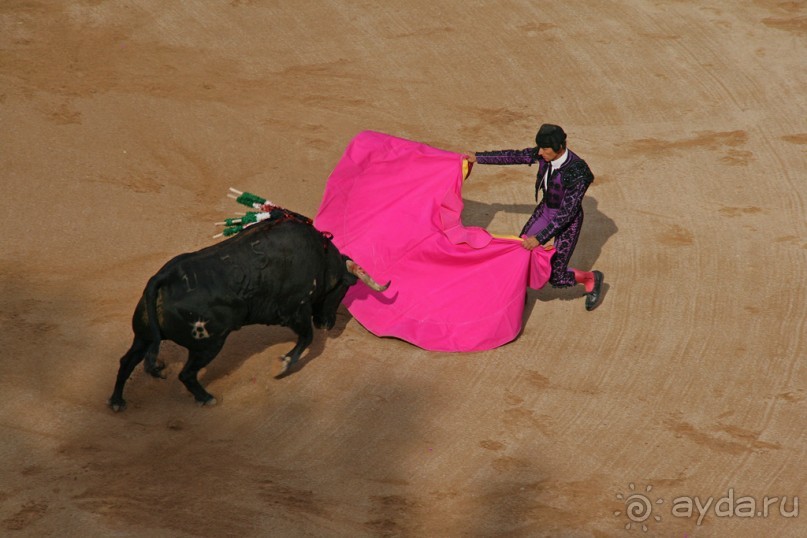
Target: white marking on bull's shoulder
[312, 289]
[199, 330]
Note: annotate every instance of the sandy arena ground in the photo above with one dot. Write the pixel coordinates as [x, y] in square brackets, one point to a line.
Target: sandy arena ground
[125, 122]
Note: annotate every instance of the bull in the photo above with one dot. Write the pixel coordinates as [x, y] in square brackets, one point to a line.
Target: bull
[276, 272]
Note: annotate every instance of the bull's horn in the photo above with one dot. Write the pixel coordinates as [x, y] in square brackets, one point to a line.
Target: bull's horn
[354, 269]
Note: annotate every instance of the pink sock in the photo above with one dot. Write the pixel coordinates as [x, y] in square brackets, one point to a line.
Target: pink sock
[584, 277]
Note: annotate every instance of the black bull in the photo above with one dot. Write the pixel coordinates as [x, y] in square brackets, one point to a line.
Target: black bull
[273, 273]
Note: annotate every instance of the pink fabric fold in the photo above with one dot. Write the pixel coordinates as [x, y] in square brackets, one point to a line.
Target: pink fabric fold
[395, 207]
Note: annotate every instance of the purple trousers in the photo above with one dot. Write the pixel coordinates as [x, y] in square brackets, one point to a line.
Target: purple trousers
[565, 241]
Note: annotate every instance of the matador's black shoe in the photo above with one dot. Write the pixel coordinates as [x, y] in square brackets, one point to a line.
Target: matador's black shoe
[594, 298]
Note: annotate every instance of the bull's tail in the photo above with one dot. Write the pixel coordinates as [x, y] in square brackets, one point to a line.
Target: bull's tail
[150, 303]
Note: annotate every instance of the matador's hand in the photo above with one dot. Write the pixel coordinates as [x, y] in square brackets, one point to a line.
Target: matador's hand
[530, 243]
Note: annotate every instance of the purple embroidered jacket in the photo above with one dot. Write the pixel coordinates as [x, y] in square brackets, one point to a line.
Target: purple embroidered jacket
[565, 190]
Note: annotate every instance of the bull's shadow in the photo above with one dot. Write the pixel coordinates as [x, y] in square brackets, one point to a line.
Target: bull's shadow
[597, 229]
[255, 339]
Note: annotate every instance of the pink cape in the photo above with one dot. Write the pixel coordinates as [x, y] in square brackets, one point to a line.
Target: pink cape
[394, 206]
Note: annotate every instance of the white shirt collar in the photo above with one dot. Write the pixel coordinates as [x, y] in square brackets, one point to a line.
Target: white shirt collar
[560, 161]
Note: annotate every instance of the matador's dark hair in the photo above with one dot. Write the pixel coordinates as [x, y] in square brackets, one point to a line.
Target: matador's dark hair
[550, 136]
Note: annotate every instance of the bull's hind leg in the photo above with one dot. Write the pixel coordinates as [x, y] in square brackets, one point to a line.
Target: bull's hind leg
[127, 364]
[153, 366]
[305, 335]
[196, 361]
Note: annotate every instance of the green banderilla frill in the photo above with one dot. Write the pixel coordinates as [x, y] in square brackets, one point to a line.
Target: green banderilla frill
[230, 230]
[248, 199]
[251, 217]
[235, 225]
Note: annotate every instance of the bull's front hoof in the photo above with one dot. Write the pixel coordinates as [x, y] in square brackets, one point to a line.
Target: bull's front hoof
[210, 402]
[285, 363]
[117, 405]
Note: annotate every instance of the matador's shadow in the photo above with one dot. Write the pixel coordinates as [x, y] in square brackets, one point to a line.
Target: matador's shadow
[597, 228]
